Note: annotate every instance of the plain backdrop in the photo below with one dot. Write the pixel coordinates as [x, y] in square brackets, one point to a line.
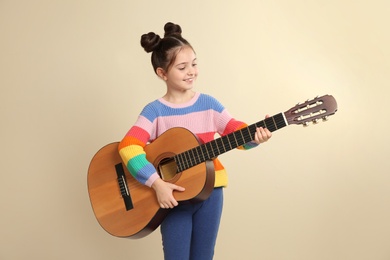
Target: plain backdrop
[73, 77]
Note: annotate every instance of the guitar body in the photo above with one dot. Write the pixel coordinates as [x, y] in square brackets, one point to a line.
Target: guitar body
[144, 214]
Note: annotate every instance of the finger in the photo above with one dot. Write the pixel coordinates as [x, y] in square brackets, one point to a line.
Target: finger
[166, 205]
[258, 136]
[262, 134]
[175, 203]
[268, 132]
[176, 187]
[179, 188]
[172, 204]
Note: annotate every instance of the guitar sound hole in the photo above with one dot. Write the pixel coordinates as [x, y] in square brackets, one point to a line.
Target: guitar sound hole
[167, 169]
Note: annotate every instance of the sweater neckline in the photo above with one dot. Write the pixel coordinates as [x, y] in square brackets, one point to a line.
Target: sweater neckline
[181, 105]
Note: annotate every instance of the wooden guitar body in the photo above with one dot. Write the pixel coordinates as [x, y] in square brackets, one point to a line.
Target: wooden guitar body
[143, 214]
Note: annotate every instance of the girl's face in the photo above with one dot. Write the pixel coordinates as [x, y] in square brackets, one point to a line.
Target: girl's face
[182, 74]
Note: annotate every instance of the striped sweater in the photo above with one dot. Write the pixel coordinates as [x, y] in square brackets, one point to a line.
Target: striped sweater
[203, 115]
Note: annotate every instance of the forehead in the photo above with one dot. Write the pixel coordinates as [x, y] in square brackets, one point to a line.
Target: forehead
[185, 54]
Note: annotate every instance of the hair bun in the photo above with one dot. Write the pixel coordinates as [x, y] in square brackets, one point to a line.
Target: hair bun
[172, 29]
[150, 41]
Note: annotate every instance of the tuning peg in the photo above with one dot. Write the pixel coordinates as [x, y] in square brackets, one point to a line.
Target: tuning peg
[315, 121]
[325, 118]
[305, 124]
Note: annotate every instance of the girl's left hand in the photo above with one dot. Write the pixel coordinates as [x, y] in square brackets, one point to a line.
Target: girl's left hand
[262, 134]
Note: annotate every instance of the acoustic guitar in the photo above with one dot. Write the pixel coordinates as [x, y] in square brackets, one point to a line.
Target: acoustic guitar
[126, 208]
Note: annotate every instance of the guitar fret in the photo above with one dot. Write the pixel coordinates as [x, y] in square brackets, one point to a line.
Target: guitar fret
[218, 147]
[247, 135]
[204, 148]
[201, 152]
[268, 124]
[193, 159]
[197, 154]
[235, 139]
[190, 158]
[186, 159]
[221, 144]
[282, 121]
[179, 163]
[214, 149]
[262, 124]
[252, 130]
[243, 139]
[273, 119]
[225, 140]
[178, 166]
[239, 140]
[210, 149]
[179, 156]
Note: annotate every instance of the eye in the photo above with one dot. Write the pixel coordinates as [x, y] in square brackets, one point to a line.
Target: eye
[181, 68]
[194, 64]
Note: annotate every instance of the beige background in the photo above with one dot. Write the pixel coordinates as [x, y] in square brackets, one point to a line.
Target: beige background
[73, 78]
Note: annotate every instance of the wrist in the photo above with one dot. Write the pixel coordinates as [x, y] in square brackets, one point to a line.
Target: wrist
[156, 183]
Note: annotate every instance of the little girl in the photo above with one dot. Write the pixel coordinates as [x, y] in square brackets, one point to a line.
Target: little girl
[190, 230]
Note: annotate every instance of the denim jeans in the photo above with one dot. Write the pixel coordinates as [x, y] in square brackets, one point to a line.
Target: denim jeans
[190, 230]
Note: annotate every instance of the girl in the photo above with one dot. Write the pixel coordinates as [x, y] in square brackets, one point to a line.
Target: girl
[190, 230]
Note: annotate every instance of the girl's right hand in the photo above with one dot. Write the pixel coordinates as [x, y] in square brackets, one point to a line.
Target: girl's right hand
[164, 191]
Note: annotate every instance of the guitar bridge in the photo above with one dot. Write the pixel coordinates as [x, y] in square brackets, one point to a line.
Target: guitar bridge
[124, 189]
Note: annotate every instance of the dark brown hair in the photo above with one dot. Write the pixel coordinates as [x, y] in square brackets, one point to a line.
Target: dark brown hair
[164, 50]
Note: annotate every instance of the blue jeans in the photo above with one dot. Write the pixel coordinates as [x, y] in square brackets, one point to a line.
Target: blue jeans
[189, 232]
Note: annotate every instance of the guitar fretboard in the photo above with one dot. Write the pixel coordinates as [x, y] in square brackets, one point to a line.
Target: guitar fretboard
[212, 149]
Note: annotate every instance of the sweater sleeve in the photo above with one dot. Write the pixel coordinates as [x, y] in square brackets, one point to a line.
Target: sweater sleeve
[235, 125]
[226, 124]
[131, 150]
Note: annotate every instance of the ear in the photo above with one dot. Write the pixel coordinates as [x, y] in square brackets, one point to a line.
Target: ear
[161, 73]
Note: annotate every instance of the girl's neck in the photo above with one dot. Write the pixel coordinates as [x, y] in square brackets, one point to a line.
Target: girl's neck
[179, 97]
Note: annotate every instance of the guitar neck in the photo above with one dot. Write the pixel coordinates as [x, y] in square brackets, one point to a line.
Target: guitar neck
[214, 148]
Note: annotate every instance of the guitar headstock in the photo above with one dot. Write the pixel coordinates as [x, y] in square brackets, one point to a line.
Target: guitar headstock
[312, 110]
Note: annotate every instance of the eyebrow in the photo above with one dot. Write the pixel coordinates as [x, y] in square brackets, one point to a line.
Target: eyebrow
[182, 63]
